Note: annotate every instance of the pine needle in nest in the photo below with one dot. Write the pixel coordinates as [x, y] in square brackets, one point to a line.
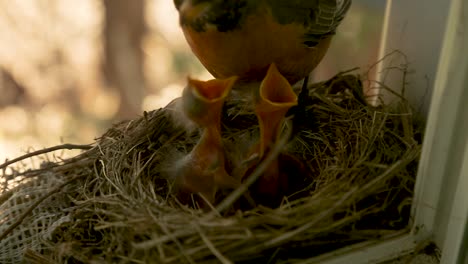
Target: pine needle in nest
[114, 204]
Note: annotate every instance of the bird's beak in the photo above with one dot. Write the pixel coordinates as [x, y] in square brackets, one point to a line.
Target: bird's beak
[274, 99]
[203, 100]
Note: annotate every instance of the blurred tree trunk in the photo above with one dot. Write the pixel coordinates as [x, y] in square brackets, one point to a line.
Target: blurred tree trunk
[124, 29]
[12, 92]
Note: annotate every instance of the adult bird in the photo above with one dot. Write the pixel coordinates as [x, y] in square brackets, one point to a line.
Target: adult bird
[243, 37]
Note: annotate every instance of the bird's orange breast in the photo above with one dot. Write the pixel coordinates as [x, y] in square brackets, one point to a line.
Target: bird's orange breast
[248, 50]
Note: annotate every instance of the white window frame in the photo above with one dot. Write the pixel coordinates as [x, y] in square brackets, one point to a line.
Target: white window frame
[433, 34]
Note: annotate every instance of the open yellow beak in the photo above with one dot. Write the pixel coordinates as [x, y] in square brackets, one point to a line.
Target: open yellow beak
[202, 102]
[275, 98]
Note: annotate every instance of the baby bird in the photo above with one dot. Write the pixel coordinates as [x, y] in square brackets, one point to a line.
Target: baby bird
[272, 101]
[203, 169]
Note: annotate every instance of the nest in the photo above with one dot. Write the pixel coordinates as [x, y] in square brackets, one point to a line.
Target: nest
[112, 204]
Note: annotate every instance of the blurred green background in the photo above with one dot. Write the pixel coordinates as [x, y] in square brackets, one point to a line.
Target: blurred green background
[69, 69]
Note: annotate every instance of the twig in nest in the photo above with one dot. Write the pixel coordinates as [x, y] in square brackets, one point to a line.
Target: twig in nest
[212, 248]
[32, 256]
[44, 151]
[288, 235]
[237, 193]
